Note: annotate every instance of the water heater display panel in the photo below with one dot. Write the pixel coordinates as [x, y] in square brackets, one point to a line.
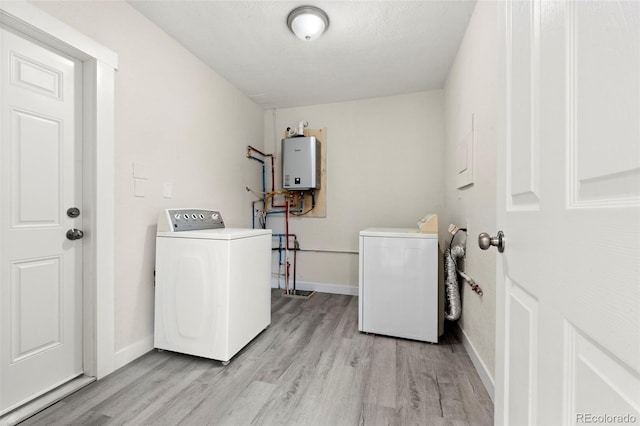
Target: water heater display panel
[300, 163]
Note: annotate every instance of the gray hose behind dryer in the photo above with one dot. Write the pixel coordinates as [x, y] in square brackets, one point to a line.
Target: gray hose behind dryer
[454, 305]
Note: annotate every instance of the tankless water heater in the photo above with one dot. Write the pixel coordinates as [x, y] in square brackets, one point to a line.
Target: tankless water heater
[300, 163]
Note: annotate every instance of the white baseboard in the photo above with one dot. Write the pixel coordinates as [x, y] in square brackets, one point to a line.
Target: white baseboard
[132, 352]
[321, 287]
[480, 366]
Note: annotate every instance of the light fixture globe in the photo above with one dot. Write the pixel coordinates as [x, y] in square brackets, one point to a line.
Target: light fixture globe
[307, 22]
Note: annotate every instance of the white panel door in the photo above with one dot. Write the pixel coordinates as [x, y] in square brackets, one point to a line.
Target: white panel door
[40, 158]
[568, 308]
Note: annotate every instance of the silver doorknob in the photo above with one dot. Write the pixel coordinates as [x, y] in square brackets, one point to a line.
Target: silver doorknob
[485, 241]
[74, 234]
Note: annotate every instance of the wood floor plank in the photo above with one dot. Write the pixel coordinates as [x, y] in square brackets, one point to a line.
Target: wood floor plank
[310, 367]
[378, 415]
[304, 374]
[91, 418]
[75, 405]
[175, 367]
[380, 389]
[209, 395]
[283, 354]
[266, 339]
[160, 393]
[330, 406]
[343, 397]
[244, 409]
[418, 394]
[474, 397]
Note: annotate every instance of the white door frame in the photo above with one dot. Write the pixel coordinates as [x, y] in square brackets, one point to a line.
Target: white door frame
[99, 66]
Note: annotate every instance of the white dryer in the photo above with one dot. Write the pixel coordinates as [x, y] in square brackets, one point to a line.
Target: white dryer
[399, 283]
[213, 290]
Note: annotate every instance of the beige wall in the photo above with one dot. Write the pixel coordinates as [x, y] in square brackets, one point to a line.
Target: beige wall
[185, 123]
[471, 88]
[384, 168]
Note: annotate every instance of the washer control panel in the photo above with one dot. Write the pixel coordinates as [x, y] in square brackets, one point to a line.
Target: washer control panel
[194, 219]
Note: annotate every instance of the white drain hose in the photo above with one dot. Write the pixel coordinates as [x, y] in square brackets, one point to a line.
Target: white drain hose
[454, 304]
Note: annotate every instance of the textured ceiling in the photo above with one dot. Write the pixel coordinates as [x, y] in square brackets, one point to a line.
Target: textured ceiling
[371, 49]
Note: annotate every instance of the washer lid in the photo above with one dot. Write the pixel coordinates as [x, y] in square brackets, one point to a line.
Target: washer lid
[396, 233]
[216, 234]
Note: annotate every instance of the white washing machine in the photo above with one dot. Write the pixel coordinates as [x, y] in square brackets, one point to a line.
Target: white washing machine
[399, 283]
[213, 284]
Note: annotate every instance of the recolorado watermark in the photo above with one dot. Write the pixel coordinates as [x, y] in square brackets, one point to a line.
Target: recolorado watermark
[590, 418]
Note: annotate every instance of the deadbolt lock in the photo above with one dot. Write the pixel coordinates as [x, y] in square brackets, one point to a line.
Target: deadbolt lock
[73, 212]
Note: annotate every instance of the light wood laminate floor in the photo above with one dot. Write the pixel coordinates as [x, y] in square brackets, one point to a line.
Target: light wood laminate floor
[310, 367]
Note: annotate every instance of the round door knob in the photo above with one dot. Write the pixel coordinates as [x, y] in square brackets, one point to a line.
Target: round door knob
[485, 241]
[74, 234]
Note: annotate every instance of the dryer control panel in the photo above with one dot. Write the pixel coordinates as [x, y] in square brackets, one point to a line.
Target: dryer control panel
[175, 220]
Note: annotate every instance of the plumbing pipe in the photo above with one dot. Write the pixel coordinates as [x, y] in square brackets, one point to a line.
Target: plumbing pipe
[323, 250]
[286, 273]
[264, 185]
[264, 190]
[255, 159]
[270, 212]
[296, 246]
[250, 148]
[301, 126]
[286, 216]
[271, 194]
[273, 185]
[257, 194]
[253, 215]
[273, 179]
[300, 208]
[295, 265]
[273, 173]
[294, 236]
[279, 259]
[301, 212]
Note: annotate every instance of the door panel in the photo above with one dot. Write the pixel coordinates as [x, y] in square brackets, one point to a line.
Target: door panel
[603, 103]
[35, 76]
[568, 343]
[596, 382]
[522, 310]
[40, 270]
[524, 136]
[36, 170]
[36, 290]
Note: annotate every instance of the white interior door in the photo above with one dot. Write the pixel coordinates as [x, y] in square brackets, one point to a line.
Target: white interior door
[568, 338]
[40, 157]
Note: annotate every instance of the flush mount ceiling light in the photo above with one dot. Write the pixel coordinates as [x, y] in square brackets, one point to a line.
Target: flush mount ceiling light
[307, 22]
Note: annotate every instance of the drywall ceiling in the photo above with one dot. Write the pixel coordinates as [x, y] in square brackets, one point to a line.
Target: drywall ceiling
[371, 48]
